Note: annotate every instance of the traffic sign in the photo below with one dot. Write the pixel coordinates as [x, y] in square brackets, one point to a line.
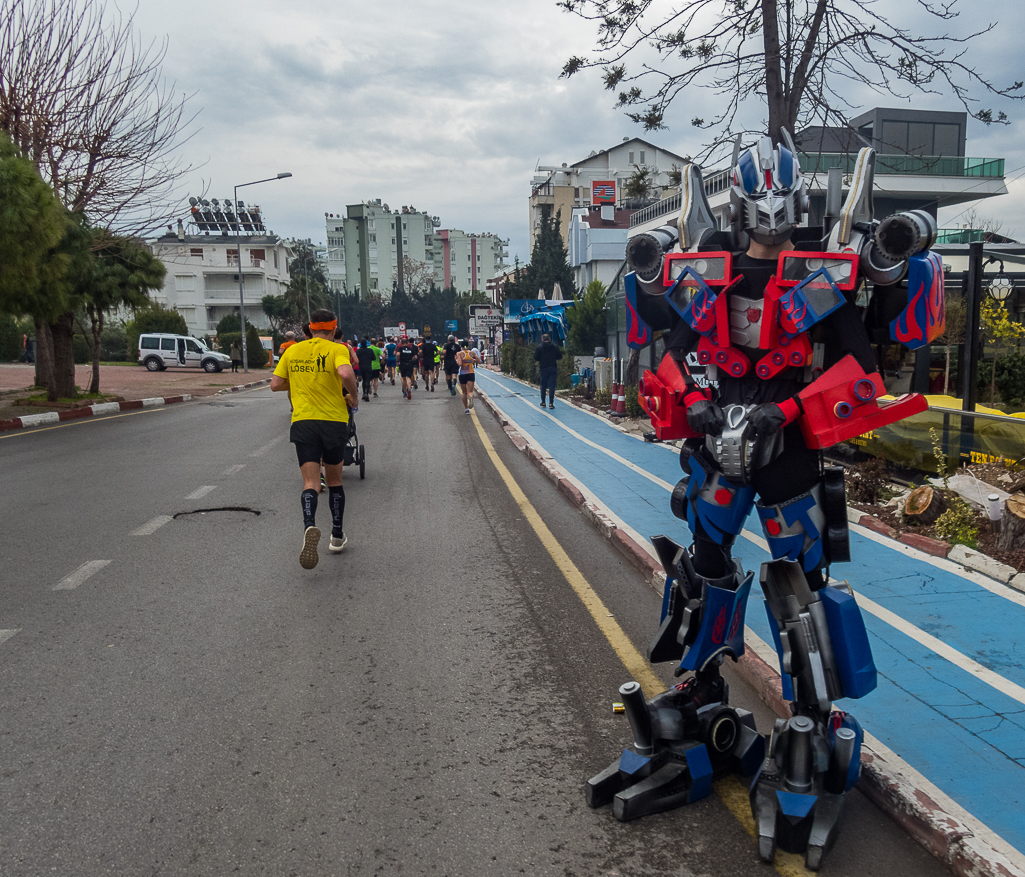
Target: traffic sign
[486, 316]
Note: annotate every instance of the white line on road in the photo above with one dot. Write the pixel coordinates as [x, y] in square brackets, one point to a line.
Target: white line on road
[259, 452]
[7, 634]
[150, 528]
[200, 492]
[85, 571]
[238, 467]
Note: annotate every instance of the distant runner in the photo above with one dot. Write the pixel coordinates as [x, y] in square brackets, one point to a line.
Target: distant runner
[467, 358]
[389, 358]
[406, 354]
[428, 354]
[449, 352]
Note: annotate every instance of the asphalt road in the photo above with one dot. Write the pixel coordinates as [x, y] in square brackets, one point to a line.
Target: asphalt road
[179, 697]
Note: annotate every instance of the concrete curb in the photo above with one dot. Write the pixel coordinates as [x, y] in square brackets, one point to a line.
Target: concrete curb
[943, 828]
[31, 420]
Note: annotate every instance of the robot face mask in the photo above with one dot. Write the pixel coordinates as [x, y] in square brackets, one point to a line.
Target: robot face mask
[768, 196]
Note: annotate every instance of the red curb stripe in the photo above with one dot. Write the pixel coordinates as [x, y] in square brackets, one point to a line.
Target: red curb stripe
[74, 414]
[131, 406]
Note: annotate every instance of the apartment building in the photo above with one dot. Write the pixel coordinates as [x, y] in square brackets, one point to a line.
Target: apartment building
[466, 262]
[202, 281]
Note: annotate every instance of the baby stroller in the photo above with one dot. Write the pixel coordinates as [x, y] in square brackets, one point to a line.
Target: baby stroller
[354, 453]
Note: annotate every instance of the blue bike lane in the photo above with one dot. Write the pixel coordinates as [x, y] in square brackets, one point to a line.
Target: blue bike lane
[951, 694]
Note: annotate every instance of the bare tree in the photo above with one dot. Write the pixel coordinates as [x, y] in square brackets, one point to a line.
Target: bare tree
[793, 55]
[83, 98]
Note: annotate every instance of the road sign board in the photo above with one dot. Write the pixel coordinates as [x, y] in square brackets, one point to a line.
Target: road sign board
[486, 315]
[451, 325]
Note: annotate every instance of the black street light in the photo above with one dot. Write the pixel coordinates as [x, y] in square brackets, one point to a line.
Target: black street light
[241, 288]
[1001, 286]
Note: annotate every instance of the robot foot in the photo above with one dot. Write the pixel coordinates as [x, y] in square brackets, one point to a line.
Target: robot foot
[682, 741]
[797, 796]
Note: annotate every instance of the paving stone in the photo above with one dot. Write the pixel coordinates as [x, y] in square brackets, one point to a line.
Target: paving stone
[936, 547]
[981, 563]
[877, 526]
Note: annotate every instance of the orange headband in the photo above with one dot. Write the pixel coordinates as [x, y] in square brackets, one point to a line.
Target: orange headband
[324, 327]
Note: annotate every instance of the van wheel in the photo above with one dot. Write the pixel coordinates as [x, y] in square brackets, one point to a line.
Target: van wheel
[210, 366]
[154, 364]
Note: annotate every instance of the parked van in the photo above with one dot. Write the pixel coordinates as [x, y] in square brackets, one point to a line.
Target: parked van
[159, 350]
[268, 344]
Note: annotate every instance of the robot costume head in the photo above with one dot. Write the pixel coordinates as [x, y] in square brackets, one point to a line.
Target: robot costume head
[768, 196]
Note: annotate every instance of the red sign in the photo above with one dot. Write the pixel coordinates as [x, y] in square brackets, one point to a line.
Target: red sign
[603, 192]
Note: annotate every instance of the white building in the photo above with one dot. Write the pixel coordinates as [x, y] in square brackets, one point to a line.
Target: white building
[565, 187]
[597, 243]
[466, 262]
[367, 244]
[202, 281]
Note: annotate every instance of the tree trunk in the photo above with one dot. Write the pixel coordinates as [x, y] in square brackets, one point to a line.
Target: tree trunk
[97, 331]
[946, 374]
[632, 367]
[1012, 523]
[924, 505]
[62, 385]
[993, 380]
[44, 354]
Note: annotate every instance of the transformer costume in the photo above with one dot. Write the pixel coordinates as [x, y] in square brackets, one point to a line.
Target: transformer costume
[790, 370]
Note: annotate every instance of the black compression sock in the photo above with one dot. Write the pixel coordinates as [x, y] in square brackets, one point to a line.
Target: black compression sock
[309, 504]
[336, 499]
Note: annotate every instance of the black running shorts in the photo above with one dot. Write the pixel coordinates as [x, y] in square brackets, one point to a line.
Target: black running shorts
[319, 441]
[466, 379]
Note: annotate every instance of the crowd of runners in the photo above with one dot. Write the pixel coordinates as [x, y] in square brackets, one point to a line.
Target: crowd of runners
[324, 381]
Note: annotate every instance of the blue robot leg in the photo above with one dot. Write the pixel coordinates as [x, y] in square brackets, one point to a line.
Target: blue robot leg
[813, 758]
[689, 734]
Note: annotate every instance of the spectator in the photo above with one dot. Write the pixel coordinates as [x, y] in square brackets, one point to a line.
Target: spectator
[236, 355]
[547, 356]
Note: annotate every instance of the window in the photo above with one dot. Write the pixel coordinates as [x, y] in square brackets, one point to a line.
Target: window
[184, 283]
[149, 343]
[920, 138]
[630, 158]
[192, 346]
[373, 238]
[393, 242]
[275, 258]
[196, 252]
[947, 140]
[257, 257]
[895, 137]
[167, 344]
[642, 156]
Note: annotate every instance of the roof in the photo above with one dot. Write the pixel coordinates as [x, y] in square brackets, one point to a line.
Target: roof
[683, 159]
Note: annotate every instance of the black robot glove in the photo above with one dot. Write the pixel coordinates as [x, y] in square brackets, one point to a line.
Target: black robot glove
[707, 417]
[765, 420]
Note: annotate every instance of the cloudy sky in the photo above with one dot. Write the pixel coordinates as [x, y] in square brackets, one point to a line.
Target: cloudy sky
[446, 105]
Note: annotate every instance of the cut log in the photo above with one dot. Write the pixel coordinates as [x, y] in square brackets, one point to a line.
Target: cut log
[924, 505]
[1012, 524]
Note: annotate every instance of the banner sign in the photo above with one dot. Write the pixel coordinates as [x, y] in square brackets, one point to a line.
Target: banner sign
[603, 192]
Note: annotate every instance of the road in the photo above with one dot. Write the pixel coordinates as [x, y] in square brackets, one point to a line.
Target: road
[179, 697]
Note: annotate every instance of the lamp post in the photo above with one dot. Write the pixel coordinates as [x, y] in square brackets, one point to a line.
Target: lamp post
[1001, 286]
[241, 288]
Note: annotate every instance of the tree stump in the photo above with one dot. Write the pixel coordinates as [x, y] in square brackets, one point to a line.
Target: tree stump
[1012, 524]
[924, 505]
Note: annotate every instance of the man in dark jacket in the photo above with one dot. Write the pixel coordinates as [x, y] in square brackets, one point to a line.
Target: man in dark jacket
[547, 356]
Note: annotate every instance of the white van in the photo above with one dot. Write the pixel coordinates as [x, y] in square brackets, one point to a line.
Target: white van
[159, 350]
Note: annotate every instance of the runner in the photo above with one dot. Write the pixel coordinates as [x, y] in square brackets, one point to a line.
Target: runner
[375, 366]
[449, 352]
[288, 342]
[467, 358]
[406, 355]
[366, 358]
[389, 358]
[318, 377]
[428, 355]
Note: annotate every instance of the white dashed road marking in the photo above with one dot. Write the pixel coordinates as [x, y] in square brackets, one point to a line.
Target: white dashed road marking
[259, 452]
[238, 467]
[85, 571]
[199, 493]
[7, 634]
[150, 528]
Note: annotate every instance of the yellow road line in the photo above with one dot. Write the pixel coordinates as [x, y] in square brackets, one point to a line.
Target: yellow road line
[81, 421]
[731, 790]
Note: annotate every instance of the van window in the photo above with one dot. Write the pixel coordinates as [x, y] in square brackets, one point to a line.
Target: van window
[167, 344]
[149, 343]
[192, 346]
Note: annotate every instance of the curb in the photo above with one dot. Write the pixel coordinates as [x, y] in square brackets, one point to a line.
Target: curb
[943, 828]
[31, 420]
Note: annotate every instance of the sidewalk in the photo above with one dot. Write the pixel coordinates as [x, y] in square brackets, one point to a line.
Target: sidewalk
[132, 385]
[945, 743]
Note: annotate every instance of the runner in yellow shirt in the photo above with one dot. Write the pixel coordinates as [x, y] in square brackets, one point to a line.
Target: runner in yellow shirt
[318, 376]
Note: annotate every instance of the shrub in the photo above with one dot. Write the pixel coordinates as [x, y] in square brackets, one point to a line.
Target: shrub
[603, 398]
[1011, 379]
[633, 406]
[10, 340]
[230, 323]
[508, 357]
[563, 382]
[256, 356]
[866, 479]
[957, 525]
[80, 350]
[113, 344]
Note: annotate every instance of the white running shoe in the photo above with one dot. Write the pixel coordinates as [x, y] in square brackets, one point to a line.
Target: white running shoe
[467, 410]
[308, 557]
[471, 401]
[338, 543]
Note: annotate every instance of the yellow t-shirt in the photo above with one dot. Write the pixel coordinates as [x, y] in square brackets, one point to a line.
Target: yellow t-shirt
[311, 369]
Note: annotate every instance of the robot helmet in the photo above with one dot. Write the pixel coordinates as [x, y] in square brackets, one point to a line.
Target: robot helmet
[768, 197]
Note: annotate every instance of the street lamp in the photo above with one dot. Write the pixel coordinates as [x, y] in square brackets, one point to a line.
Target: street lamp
[241, 288]
[1001, 286]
